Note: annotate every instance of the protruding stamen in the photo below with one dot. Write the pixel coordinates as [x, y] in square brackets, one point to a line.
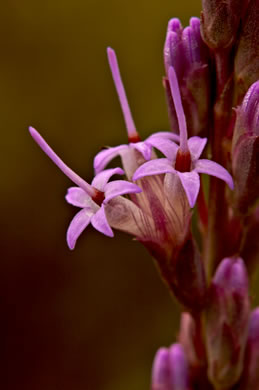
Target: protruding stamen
[179, 109]
[130, 125]
[92, 192]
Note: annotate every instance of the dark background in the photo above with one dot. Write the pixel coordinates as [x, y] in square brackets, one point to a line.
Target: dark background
[92, 318]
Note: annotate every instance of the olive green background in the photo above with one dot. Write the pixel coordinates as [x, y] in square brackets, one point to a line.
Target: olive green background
[92, 318]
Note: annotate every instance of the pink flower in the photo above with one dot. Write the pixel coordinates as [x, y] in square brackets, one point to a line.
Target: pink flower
[130, 159]
[92, 198]
[184, 160]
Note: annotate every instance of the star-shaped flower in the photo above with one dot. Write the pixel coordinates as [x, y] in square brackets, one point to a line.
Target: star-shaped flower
[184, 160]
[92, 198]
[159, 140]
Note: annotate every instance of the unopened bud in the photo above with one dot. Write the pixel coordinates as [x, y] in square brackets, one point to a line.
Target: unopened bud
[185, 51]
[246, 68]
[220, 21]
[250, 376]
[160, 370]
[170, 369]
[245, 151]
[227, 318]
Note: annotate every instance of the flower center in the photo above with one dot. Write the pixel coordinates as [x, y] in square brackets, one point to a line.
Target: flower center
[183, 161]
[98, 197]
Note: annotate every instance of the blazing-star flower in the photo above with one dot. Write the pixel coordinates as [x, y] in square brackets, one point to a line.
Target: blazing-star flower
[92, 198]
[184, 160]
[130, 159]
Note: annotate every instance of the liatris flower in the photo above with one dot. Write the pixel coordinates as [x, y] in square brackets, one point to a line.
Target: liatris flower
[93, 199]
[170, 369]
[184, 160]
[250, 376]
[227, 319]
[136, 152]
[185, 51]
[245, 151]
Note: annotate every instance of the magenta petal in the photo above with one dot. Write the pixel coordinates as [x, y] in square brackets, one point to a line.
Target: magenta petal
[105, 156]
[154, 167]
[191, 185]
[165, 134]
[196, 146]
[143, 148]
[77, 225]
[100, 223]
[119, 187]
[214, 169]
[78, 197]
[167, 147]
[102, 178]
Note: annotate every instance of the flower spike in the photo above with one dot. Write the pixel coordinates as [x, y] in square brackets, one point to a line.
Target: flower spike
[130, 125]
[92, 199]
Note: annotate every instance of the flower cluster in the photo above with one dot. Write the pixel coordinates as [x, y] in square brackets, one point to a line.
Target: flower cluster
[207, 268]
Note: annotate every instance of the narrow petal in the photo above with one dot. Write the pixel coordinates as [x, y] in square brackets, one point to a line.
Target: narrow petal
[165, 134]
[196, 146]
[119, 187]
[214, 169]
[191, 185]
[131, 129]
[105, 156]
[100, 223]
[167, 147]
[78, 197]
[62, 166]
[77, 225]
[102, 178]
[143, 148]
[154, 167]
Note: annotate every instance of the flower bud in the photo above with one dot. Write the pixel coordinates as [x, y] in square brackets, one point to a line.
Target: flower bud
[160, 370]
[250, 376]
[227, 317]
[220, 21]
[170, 369]
[246, 68]
[245, 151]
[185, 51]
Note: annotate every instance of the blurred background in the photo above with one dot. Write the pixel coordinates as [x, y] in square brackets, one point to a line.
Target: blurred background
[92, 318]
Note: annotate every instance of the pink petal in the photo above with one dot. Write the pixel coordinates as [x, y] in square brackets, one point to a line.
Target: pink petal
[196, 146]
[101, 179]
[100, 223]
[167, 147]
[154, 167]
[165, 134]
[78, 197]
[77, 225]
[119, 187]
[214, 169]
[105, 156]
[191, 185]
[143, 148]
